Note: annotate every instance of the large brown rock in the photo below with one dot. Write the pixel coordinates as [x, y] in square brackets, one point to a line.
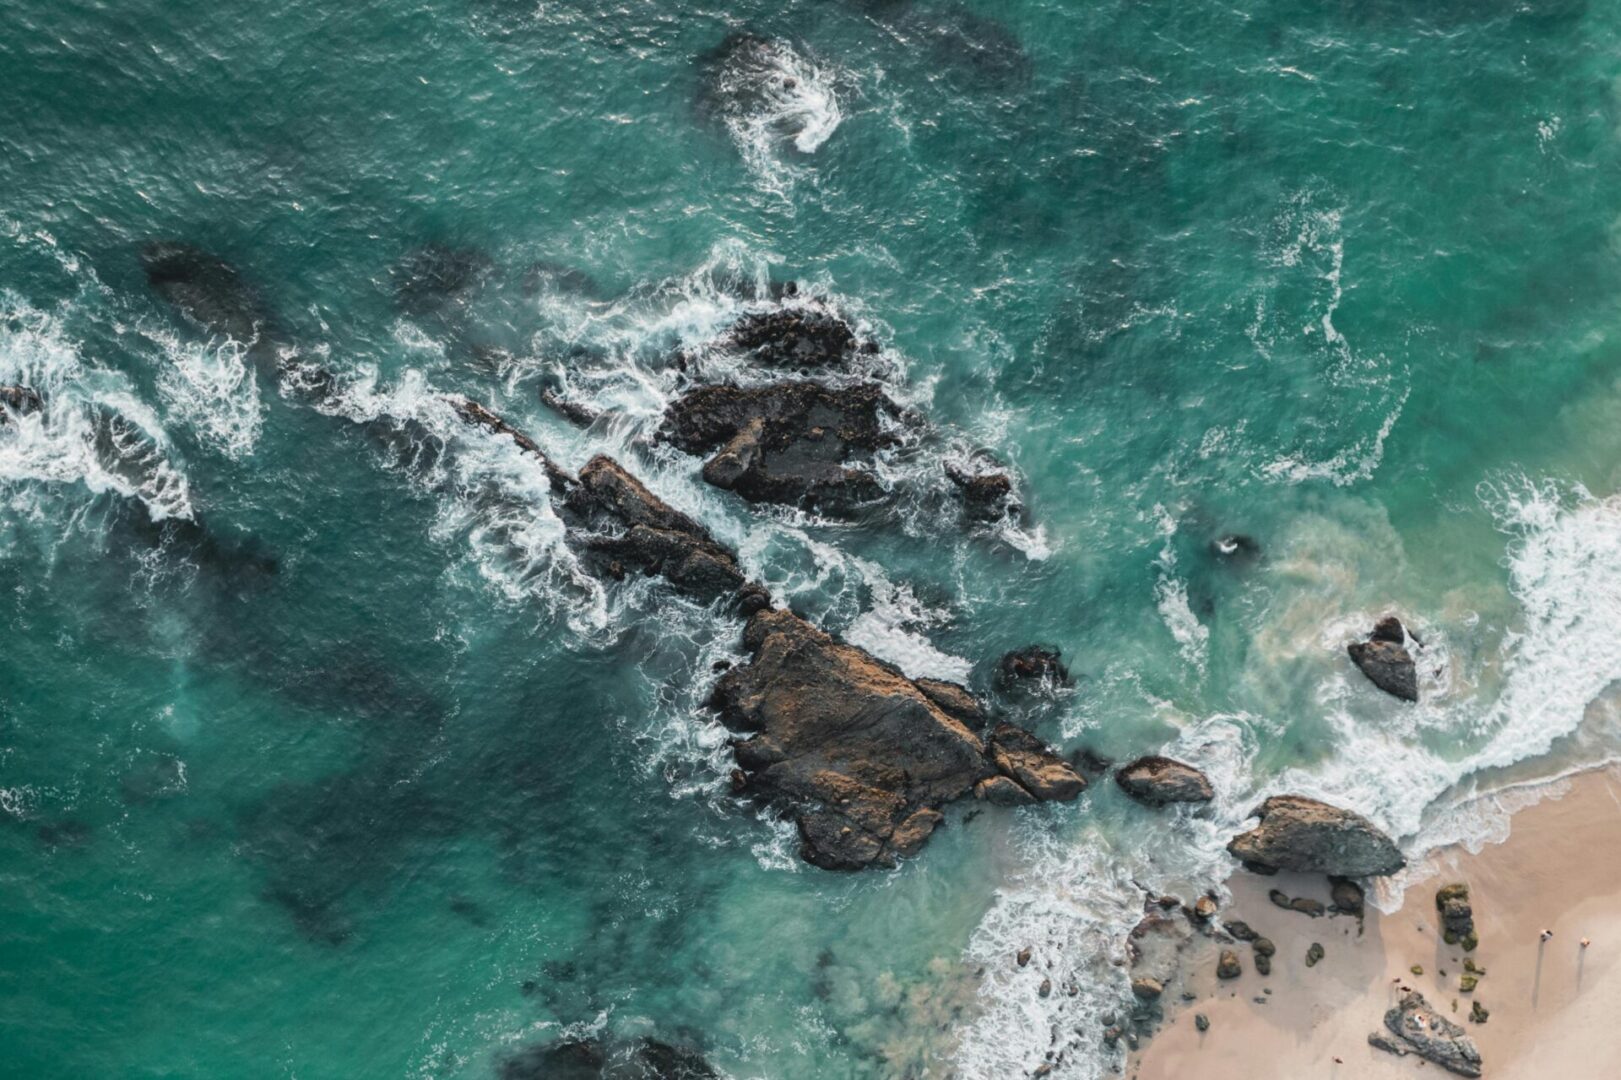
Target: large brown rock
[1297, 833]
[796, 443]
[1159, 781]
[861, 756]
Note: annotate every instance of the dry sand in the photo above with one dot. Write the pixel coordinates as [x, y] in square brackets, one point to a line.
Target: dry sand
[1555, 1008]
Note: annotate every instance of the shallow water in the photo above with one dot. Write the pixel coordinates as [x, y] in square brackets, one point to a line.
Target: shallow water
[361, 777]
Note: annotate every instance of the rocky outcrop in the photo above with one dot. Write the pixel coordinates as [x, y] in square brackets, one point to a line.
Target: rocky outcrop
[805, 336]
[1384, 659]
[20, 400]
[986, 496]
[795, 443]
[1457, 916]
[1412, 1027]
[1031, 664]
[1160, 781]
[1297, 833]
[861, 756]
[591, 1059]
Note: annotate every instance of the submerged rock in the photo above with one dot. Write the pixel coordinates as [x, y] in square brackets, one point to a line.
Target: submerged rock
[205, 288]
[1384, 659]
[1412, 1027]
[435, 276]
[794, 443]
[858, 753]
[1159, 781]
[1302, 834]
[591, 1059]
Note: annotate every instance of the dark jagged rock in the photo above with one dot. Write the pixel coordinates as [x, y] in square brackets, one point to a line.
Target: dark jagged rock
[572, 411]
[1384, 659]
[435, 276]
[205, 288]
[471, 412]
[1033, 663]
[794, 443]
[1314, 953]
[1457, 916]
[859, 754]
[659, 539]
[1297, 833]
[1159, 781]
[20, 400]
[802, 337]
[1412, 1027]
[986, 496]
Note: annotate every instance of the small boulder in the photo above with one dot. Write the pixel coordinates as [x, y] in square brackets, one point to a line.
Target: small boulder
[1201, 1021]
[1307, 906]
[1263, 946]
[1159, 781]
[1032, 664]
[1228, 966]
[1347, 896]
[1384, 659]
[1147, 987]
[1313, 954]
[1239, 929]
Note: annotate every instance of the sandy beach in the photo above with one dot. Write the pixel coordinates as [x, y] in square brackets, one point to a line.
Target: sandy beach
[1551, 1004]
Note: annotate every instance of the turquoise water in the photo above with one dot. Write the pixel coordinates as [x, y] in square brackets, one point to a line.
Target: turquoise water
[1344, 278]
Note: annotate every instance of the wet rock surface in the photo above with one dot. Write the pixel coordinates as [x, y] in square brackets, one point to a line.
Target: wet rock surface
[1457, 916]
[20, 400]
[794, 443]
[1033, 664]
[859, 754]
[1160, 781]
[986, 495]
[1412, 1027]
[1298, 833]
[1384, 659]
[803, 337]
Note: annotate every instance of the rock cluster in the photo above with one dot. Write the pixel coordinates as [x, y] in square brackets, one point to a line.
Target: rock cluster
[1457, 916]
[1160, 781]
[1298, 833]
[1384, 659]
[1412, 1027]
[862, 756]
[804, 336]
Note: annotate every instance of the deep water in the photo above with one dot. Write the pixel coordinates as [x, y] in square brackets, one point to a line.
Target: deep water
[319, 757]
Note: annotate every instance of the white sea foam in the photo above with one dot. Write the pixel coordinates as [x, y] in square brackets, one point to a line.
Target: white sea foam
[1076, 896]
[1171, 598]
[211, 387]
[773, 96]
[92, 430]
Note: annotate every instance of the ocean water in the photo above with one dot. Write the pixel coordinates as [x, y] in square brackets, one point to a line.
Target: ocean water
[320, 758]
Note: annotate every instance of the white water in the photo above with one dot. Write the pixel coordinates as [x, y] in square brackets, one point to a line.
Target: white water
[1076, 895]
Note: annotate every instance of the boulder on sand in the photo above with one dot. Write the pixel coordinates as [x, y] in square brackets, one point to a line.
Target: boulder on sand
[1297, 833]
[859, 754]
[1159, 781]
[1384, 659]
[1415, 1028]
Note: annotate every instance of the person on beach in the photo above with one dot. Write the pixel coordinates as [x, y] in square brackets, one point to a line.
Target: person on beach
[1585, 943]
[1546, 934]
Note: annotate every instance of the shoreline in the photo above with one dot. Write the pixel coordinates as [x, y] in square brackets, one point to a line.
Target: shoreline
[1555, 869]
